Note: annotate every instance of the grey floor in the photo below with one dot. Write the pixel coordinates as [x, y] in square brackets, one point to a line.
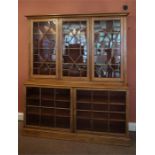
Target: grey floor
[42, 146]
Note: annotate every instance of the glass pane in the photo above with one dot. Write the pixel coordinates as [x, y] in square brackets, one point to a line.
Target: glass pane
[74, 48]
[44, 48]
[107, 48]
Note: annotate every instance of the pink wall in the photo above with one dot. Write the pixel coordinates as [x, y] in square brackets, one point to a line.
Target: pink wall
[36, 7]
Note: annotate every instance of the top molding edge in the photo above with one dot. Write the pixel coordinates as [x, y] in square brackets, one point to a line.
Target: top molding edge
[78, 15]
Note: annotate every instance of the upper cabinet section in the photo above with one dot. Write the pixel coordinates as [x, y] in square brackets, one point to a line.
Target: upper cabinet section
[84, 47]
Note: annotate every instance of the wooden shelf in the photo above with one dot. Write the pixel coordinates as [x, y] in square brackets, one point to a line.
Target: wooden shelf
[33, 97]
[93, 111]
[62, 98]
[47, 98]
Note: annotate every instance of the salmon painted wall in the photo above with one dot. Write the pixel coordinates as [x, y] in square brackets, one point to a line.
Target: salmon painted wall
[36, 7]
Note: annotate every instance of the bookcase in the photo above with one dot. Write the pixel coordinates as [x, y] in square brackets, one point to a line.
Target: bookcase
[77, 88]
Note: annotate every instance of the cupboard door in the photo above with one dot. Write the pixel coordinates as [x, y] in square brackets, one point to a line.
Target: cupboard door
[107, 48]
[44, 47]
[101, 111]
[75, 48]
[48, 107]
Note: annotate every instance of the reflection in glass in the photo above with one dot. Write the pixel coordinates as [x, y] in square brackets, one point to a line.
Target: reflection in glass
[44, 46]
[107, 54]
[74, 48]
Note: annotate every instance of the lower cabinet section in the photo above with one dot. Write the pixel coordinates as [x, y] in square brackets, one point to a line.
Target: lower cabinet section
[101, 110]
[97, 112]
[48, 107]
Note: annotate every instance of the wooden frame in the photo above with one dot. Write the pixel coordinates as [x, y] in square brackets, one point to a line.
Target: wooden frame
[63, 133]
[61, 43]
[88, 83]
[31, 48]
[73, 100]
[103, 89]
[122, 48]
[49, 128]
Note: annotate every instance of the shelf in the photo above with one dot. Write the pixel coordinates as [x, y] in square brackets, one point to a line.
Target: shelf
[84, 113]
[33, 106]
[33, 113]
[100, 106]
[33, 102]
[82, 64]
[100, 101]
[117, 120]
[62, 104]
[62, 116]
[47, 112]
[34, 97]
[47, 103]
[44, 48]
[62, 98]
[43, 62]
[100, 111]
[34, 110]
[100, 115]
[117, 103]
[119, 116]
[117, 112]
[53, 33]
[84, 100]
[99, 64]
[83, 106]
[47, 98]
[92, 110]
[111, 32]
[117, 108]
[47, 107]
[62, 112]
[82, 117]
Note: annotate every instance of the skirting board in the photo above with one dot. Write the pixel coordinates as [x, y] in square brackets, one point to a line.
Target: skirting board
[131, 125]
[20, 116]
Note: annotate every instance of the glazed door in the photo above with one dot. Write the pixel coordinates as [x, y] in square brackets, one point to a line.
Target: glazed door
[108, 48]
[44, 49]
[75, 52]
